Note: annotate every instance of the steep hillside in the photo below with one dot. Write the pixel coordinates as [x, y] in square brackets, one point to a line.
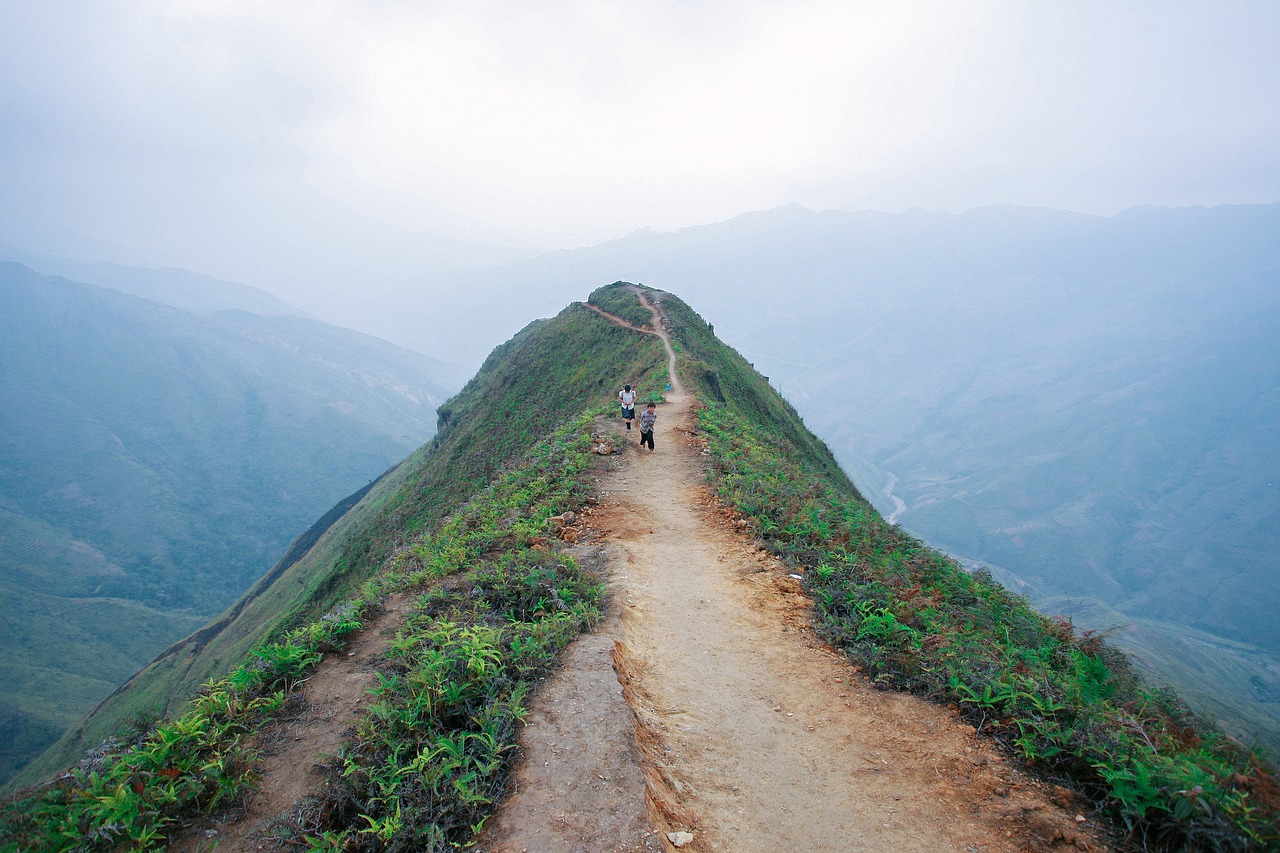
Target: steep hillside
[549, 371]
[156, 463]
[460, 542]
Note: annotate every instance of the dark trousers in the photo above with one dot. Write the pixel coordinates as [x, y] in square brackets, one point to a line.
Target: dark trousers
[646, 438]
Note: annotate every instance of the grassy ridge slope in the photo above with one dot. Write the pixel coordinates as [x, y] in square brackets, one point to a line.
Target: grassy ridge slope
[496, 603]
[723, 377]
[473, 507]
[550, 369]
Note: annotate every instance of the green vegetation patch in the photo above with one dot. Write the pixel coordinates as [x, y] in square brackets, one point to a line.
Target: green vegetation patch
[620, 300]
[550, 371]
[498, 601]
[721, 375]
[432, 756]
[131, 795]
[1068, 705]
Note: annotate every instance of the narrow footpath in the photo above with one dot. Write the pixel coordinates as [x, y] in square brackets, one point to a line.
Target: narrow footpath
[701, 715]
[746, 732]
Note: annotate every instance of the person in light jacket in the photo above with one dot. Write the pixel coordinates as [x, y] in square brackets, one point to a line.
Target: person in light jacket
[627, 398]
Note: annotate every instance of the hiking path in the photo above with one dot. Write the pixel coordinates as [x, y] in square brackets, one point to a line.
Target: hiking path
[750, 733]
[702, 714]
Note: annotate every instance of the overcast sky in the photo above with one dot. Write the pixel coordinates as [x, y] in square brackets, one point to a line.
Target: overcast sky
[289, 143]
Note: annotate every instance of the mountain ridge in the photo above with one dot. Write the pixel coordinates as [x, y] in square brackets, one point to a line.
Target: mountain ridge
[191, 291]
[934, 345]
[479, 533]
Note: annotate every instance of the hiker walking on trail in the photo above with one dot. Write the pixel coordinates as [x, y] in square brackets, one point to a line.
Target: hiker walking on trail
[647, 419]
[627, 398]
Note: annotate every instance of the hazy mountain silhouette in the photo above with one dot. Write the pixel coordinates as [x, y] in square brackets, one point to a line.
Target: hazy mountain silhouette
[190, 291]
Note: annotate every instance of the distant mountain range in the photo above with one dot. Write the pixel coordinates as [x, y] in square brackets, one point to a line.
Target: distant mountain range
[190, 291]
[157, 461]
[1090, 405]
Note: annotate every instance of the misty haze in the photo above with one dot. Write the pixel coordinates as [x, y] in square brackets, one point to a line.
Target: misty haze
[289, 296]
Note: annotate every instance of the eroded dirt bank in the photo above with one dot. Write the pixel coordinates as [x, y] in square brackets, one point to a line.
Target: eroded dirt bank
[299, 747]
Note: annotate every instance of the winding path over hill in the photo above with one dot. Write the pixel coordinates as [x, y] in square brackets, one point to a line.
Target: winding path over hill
[751, 734]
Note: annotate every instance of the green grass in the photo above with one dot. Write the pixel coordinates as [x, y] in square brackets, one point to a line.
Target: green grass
[720, 375]
[619, 300]
[432, 757]
[1218, 678]
[136, 787]
[1068, 705]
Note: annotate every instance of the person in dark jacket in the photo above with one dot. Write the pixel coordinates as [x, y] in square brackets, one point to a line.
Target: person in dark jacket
[647, 419]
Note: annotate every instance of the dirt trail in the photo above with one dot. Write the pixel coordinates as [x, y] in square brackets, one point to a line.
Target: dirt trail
[309, 734]
[753, 735]
[732, 723]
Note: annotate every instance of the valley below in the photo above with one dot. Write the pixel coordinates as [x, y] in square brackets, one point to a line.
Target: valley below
[157, 461]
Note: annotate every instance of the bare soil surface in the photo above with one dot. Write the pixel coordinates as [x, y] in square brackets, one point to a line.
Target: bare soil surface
[751, 734]
[579, 786]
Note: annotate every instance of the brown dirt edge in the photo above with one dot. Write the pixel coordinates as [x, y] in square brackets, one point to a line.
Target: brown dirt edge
[663, 794]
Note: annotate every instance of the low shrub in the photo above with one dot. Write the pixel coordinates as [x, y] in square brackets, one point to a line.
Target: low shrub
[431, 757]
